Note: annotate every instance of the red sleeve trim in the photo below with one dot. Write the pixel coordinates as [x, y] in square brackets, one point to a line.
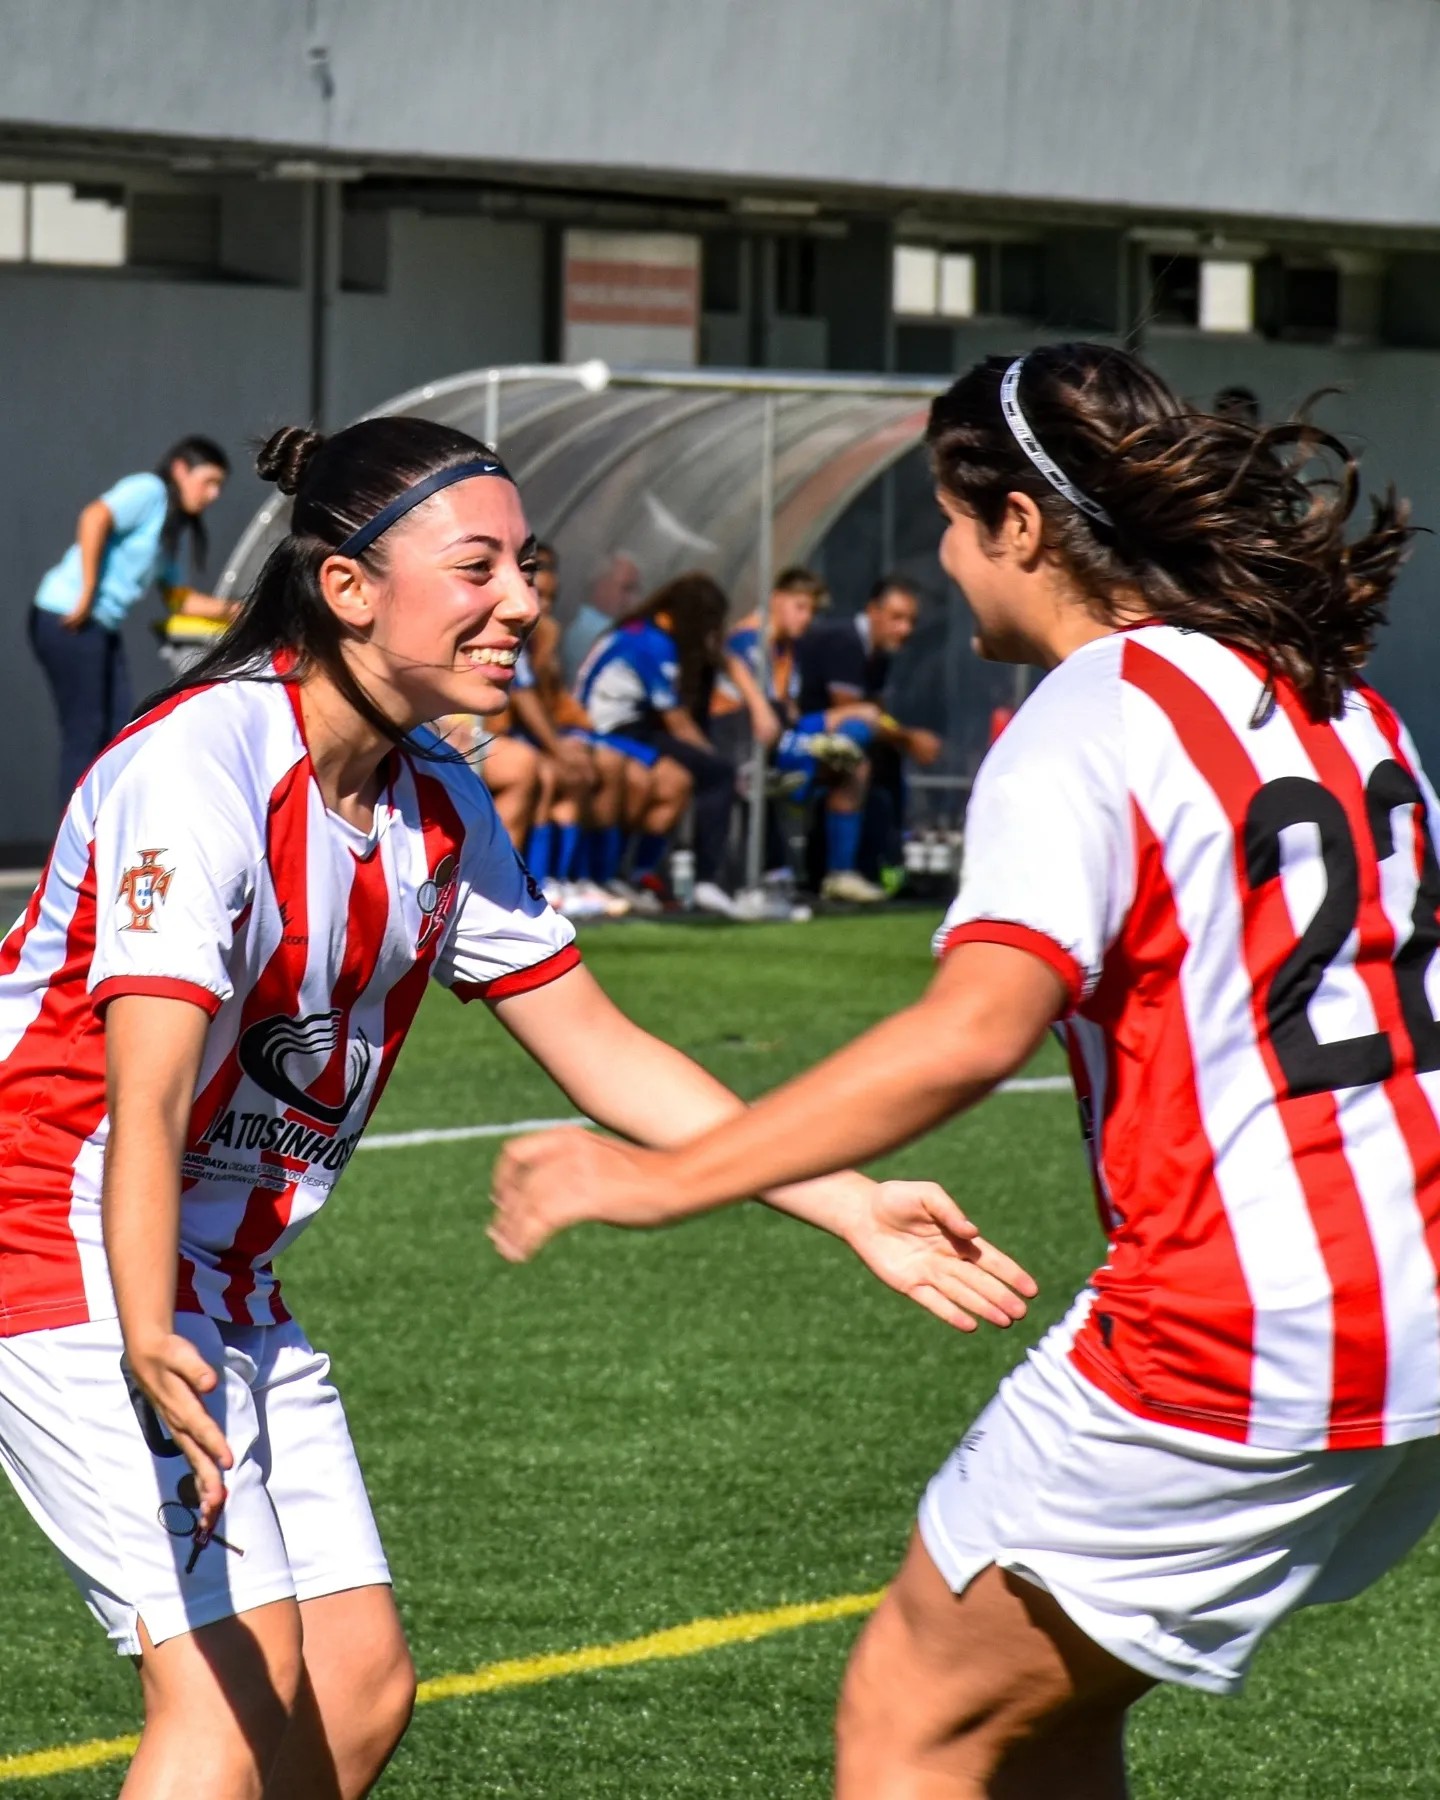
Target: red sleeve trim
[1022, 937]
[162, 987]
[521, 981]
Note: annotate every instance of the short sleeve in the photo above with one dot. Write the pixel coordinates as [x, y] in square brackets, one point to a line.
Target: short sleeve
[1049, 847]
[657, 667]
[175, 857]
[135, 499]
[503, 938]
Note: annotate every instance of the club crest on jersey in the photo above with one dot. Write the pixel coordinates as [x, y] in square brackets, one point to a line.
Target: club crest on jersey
[267, 1048]
[143, 887]
[436, 900]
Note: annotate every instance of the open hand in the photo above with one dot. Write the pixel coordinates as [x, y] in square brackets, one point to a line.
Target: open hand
[173, 1376]
[914, 1237]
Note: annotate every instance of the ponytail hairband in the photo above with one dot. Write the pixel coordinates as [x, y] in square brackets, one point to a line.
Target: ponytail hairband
[1038, 455]
[362, 539]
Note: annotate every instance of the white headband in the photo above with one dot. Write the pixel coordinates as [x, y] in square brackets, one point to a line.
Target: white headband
[1030, 444]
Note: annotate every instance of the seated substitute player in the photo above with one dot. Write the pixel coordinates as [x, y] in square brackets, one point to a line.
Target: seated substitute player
[647, 685]
[1207, 849]
[816, 754]
[555, 722]
[246, 897]
[844, 666]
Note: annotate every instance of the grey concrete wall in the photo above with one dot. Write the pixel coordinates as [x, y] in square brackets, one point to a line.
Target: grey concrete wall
[1316, 109]
[101, 374]
[460, 293]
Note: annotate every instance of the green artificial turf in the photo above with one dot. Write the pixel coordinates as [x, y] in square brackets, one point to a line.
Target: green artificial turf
[636, 1431]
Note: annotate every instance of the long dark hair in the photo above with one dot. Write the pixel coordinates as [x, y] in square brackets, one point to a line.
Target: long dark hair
[339, 483]
[693, 609]
[1218, 524]
[195, 452]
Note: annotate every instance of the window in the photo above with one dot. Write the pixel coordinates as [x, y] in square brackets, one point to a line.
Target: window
[1227, 296]
[795, 277]
[1174, 289]
[59, 222]
[13, 223]
[1207, 293]
[930, 283]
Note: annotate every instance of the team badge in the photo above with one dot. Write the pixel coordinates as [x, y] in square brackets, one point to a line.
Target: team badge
[142, 888]
[436, 899]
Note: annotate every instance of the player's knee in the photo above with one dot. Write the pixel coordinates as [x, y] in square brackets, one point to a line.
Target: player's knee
[898, 1711]
[389, 1702]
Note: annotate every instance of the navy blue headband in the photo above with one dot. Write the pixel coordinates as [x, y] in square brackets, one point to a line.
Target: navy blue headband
[362, 539]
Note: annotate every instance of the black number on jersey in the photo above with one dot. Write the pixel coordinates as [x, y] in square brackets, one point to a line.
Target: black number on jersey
[1309, 1066]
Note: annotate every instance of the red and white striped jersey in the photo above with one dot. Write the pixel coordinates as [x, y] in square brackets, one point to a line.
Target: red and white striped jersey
[197, 859]
[1243, 905]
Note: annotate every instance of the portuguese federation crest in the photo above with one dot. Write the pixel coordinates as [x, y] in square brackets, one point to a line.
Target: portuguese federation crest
[143, 887]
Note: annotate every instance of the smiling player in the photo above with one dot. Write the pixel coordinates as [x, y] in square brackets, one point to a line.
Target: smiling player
[198, 1014]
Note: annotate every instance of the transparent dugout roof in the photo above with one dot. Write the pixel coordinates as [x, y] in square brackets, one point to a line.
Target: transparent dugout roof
[667, 468]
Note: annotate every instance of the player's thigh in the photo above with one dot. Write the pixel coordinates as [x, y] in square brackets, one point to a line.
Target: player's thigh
[114, 1494]
[955, 1682]
[1393, 1521]
[313, 1477]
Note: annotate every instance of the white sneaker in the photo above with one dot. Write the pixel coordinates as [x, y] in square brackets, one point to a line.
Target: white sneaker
[643, 903]
[851, 886]
[765, 904]
[709, 897]
[576, 904]
[607, 905]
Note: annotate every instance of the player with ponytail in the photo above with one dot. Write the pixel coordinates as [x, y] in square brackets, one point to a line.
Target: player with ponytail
[198, 1014]
[1204, 852]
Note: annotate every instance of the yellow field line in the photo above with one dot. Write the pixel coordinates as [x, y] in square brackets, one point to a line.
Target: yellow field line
[693, 1639]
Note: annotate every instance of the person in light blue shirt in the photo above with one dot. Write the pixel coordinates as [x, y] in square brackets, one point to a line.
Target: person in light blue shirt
[126, 542]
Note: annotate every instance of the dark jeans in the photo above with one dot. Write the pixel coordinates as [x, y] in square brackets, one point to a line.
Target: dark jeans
[710, 809]
[90, 683]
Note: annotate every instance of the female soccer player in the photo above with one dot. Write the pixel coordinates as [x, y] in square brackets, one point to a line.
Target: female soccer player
[647, 686]
[126, 540]
[198, 1014]
[1207, 849]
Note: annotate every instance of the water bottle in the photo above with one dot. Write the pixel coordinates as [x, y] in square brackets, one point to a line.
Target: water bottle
[682, 877]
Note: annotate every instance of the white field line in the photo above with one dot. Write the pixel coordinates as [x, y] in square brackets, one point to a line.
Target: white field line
[459, 1134]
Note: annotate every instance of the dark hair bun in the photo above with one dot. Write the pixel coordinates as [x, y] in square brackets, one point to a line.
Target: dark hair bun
[286, 455]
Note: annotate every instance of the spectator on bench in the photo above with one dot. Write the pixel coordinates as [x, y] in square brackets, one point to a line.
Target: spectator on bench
[844, 667]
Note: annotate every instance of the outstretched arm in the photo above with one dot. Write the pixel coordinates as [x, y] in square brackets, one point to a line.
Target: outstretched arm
[981, 1018]
[910, 1233]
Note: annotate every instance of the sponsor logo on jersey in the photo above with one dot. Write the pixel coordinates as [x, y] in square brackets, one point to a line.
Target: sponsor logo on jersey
[267, 1048]
[143, 887]
[437, 900]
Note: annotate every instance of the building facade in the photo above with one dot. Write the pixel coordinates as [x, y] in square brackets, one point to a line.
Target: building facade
[221, 218]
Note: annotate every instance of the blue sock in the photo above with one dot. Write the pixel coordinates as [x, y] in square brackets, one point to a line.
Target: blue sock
[842, 840]
[540, 852]
[649, 851]
[606, 846]
[567, 848]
